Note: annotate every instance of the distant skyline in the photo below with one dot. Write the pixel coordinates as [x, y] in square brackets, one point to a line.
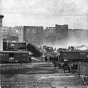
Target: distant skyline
[45, 13]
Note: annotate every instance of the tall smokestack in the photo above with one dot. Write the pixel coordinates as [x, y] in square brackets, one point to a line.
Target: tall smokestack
[20, 34]
[1, 35]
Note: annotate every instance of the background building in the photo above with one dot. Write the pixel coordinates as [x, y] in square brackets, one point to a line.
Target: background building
[33, 34]
[49, 34]
[61, 31]
[58, 36]
[77, 37]
[13, 33]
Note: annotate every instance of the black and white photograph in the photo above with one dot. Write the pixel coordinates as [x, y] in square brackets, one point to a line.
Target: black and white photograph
[43, 43]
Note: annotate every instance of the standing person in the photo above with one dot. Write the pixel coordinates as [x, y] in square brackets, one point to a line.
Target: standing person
[49, 58]
[30, 60]
[45, 58]
[66, 66]
[56, 58]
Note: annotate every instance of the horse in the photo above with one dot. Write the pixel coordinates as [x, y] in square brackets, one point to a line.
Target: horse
[57, 64]
[65, 67]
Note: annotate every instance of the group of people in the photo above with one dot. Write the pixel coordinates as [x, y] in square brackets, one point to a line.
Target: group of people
[74, 67]
[66, 66]
[51, 58]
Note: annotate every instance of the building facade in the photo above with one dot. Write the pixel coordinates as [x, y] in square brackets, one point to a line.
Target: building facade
[13, 33]
[33, 34]
[77, 37]
[49, 33]
[61, 31]
[61, 35]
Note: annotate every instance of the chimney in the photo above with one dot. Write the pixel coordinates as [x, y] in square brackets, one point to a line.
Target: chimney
[1, 34]
[20, 34]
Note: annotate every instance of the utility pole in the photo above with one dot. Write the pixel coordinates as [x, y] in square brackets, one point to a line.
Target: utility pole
[1, 33]
[79, 67]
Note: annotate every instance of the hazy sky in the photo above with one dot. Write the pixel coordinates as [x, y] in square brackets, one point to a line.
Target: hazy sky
[45, 12]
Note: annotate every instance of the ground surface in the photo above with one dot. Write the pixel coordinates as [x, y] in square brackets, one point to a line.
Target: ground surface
[39, 75]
